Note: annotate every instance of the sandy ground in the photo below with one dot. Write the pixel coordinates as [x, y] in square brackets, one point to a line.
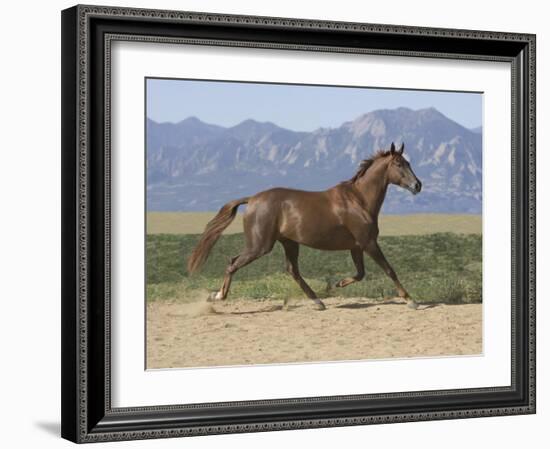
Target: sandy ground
[241, 332]
[413, 224]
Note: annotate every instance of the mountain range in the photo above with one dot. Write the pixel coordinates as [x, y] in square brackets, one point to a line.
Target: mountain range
[196, 166]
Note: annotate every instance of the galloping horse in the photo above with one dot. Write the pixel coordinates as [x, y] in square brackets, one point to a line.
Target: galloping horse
[344, 217]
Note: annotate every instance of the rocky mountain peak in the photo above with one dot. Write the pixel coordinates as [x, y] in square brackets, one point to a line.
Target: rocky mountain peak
[193, 165]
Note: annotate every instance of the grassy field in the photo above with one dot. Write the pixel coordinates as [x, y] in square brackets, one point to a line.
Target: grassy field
[435, 267]
[194, 223]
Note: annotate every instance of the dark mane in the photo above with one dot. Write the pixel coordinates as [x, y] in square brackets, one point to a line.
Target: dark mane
[366, 163]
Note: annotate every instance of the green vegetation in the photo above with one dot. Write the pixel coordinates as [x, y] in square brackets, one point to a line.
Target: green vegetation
[442, 267]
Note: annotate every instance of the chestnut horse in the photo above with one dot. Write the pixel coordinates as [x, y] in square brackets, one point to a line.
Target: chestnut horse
[344, 217]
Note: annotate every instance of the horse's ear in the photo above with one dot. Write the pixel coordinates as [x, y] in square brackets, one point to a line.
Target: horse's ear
[402, 148]
[392, 149]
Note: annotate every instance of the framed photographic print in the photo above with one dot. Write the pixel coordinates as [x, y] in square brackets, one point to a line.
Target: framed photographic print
[275, 223]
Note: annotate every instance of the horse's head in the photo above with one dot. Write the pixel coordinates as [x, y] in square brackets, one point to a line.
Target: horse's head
[400, 172]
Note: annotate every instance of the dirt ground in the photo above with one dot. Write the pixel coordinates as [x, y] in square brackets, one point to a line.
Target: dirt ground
[413, 224]
[242, 332]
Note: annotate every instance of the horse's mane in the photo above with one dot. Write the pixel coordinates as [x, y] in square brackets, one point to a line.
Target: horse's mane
[366, 163]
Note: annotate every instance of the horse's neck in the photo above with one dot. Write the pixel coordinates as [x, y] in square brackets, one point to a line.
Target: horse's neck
[372, 187]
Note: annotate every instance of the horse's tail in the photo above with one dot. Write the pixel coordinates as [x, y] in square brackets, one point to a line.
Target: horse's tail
[212, 233]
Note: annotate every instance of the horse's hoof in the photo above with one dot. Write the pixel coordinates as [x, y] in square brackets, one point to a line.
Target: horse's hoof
[344, 282]
[412, 304]
[320, 306]
[212, 297]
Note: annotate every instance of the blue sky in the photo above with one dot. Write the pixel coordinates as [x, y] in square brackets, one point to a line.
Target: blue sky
[296, 107]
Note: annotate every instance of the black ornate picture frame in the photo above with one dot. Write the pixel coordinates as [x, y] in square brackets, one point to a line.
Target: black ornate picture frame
[87, 34]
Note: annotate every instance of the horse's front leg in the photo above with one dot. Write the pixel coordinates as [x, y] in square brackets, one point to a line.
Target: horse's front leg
[373, 250]
[357, 257]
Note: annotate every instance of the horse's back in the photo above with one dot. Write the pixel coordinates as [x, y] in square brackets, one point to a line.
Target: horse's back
[279, 200]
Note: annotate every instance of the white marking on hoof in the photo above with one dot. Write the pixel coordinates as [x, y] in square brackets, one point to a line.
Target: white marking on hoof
[214, 296]
[412, 305]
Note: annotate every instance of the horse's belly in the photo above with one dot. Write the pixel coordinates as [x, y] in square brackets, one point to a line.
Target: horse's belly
[331, 239]
[334, 245]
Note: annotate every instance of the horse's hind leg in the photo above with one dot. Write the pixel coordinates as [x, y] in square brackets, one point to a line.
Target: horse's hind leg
[292, 250]
[224, 290]
[259, 231]
[236, 263]
[357, 256]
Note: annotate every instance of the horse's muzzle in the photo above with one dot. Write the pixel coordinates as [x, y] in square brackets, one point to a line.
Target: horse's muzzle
[414, 187]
